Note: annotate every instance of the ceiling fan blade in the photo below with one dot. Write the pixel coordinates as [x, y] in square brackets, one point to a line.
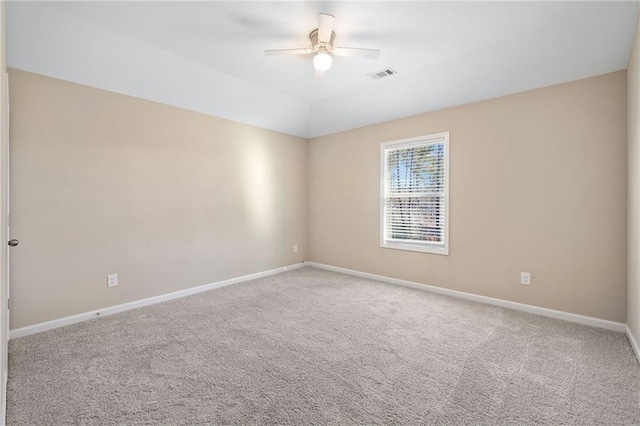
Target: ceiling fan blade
[357, 52]
[325, 27]
[287, 52]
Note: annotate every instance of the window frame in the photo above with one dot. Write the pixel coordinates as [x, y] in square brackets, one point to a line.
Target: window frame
[426, 247]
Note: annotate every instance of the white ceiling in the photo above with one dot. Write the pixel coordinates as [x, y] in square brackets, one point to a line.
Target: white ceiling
[208, 56]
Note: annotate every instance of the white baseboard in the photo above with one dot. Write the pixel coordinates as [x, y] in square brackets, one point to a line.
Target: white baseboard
[580, 319]
[552, 313]
[633, 342]
[61, 322]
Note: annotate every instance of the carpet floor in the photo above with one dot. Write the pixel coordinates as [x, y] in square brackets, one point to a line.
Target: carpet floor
[316, 347]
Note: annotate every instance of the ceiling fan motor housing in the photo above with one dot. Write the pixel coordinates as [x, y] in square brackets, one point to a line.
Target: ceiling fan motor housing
[317, 44]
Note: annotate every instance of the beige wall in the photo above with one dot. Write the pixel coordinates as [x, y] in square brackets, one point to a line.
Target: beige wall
[633, 123]
[168, 199]
[538, 184]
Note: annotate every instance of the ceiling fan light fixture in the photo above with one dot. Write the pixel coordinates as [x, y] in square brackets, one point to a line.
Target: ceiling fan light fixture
[322, 47]
[322, 61]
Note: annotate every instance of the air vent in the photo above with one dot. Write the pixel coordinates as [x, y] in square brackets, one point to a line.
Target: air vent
[387, 72]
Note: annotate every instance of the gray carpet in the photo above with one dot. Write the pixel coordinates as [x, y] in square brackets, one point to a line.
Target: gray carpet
[316, 347]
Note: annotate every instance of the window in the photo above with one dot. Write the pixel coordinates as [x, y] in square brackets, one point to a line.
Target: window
[415, 194]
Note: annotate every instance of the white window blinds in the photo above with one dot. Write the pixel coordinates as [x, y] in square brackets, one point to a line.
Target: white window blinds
[415, 194]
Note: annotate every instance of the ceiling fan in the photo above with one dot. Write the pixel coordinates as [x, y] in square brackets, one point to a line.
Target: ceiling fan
[322, 45]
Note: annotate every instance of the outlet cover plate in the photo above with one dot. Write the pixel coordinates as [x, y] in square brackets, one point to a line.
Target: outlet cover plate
[112, 280]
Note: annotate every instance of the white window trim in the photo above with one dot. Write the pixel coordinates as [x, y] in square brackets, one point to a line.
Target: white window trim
[403, 143]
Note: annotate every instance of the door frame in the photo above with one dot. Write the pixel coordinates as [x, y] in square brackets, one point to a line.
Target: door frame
[4, 212]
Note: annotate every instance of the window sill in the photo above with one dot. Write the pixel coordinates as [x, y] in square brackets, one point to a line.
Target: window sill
[443, 251]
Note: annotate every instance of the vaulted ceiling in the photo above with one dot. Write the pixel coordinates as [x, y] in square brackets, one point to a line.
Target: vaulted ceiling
[208, 56]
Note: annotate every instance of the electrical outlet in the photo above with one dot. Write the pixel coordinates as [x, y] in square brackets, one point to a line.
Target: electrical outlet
[295, 248]
[112, 280]
[525, 278]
